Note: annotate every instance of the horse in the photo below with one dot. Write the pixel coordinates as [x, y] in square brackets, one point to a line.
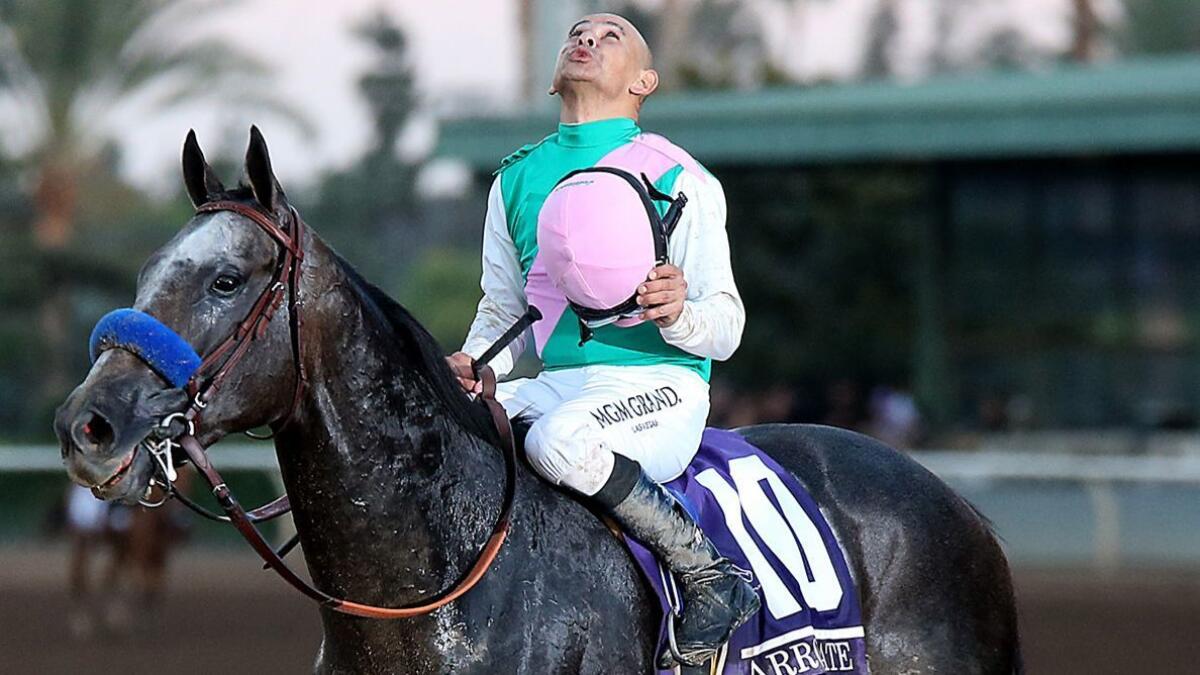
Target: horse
[396, 477]
[139, 543]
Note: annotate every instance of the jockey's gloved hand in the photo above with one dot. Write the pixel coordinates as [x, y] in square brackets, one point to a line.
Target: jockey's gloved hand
[462, 365]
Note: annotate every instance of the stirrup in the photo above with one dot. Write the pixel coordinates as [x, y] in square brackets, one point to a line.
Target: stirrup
[676, 613]
[673, 646]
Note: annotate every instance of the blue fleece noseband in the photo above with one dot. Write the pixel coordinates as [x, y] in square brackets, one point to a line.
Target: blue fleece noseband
[150, 340]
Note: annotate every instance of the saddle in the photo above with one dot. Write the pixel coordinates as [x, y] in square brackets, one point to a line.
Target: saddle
[760, 517]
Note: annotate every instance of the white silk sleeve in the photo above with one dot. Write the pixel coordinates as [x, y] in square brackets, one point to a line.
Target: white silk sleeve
[503, 287]
[713, 315]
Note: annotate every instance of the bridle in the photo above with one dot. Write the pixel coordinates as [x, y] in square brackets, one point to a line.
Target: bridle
[284, 280]
[221, 360]
[202, 386]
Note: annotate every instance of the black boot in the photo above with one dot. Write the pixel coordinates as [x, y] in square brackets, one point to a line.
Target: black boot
[717, 598]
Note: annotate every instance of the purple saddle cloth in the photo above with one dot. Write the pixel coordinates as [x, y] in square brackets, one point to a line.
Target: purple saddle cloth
[761, 518]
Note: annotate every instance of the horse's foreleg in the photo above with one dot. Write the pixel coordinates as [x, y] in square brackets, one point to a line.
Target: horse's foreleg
[77, 571]
[79, 618]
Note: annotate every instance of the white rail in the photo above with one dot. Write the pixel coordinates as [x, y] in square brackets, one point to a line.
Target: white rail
[949, 464]
[231, 456]
[1101, 477]
[992, 465]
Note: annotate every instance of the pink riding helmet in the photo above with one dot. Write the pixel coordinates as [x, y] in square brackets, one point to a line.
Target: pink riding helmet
[599, 235]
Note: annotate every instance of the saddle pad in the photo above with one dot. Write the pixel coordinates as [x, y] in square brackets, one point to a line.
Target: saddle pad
[760, 517]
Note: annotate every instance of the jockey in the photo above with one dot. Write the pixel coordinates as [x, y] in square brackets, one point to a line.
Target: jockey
[620, 405]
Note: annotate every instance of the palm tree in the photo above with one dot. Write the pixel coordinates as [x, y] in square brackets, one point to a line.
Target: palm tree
[882, 31]
[66, 63]
[1085, 31]
[64, 66]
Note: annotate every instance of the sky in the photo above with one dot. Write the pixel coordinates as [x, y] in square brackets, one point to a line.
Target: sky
[466, 58]
[316, 60]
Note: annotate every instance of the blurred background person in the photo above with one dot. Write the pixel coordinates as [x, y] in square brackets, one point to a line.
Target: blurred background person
[87, 527]
[97, 530]
[893, 417]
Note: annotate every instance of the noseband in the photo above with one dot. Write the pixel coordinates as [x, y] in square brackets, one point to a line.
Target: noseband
[161, 349]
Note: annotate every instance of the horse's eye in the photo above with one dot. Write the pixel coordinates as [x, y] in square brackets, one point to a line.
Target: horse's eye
[226, 284]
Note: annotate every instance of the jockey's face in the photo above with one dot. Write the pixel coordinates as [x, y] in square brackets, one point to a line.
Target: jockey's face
[605, 53]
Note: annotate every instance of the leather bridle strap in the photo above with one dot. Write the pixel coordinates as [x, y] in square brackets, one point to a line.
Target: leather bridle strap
[285, 281]
[241, 520]
[226, 355]
[269, 511]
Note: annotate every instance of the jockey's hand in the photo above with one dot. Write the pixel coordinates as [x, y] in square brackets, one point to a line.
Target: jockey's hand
[460, 363]
[663, 294]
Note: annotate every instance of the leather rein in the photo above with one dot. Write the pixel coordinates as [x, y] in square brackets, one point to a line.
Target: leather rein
[285, 282]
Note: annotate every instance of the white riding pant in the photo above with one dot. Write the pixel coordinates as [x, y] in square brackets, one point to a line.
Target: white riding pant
[85, 513]
[651, 414]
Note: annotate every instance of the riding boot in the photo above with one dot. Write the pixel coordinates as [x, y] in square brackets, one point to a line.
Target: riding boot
[717, 598]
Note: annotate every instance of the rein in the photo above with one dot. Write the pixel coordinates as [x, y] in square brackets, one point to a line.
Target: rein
[285, 282]
[245, 526]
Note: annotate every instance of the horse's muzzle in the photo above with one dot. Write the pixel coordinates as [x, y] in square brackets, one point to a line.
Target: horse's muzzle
[102, 422]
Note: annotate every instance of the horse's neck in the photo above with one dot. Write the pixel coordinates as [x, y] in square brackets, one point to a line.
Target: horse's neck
[392, 498]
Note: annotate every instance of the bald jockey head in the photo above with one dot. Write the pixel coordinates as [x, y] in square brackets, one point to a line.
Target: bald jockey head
[604, 70]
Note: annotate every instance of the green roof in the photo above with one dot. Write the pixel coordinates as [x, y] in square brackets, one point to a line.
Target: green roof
[1145, 105]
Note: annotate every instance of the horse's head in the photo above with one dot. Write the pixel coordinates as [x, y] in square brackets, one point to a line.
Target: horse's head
[202, 284]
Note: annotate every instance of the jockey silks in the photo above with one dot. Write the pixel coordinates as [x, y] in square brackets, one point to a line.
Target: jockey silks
[515, 273]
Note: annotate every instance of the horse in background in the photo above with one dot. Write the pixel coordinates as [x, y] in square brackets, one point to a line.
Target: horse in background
[138, 543]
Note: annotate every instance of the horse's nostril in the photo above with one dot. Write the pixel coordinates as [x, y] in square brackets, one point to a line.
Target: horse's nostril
[97, 430]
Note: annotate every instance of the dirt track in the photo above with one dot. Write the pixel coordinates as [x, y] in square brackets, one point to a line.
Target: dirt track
[224, 615]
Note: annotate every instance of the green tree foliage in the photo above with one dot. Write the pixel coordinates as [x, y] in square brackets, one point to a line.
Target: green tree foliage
[67, 63]
[64, 66]
[1161, 26]
[372, 214]
[442, 289]
[368, 211]
[118, 230]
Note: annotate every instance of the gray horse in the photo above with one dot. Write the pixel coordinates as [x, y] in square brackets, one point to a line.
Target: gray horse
[395, 479]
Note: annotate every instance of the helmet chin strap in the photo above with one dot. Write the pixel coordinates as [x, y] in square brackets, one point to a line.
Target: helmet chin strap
[591, 318]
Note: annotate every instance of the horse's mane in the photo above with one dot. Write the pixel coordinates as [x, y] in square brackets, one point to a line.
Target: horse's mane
[423, 352]
[413, 342]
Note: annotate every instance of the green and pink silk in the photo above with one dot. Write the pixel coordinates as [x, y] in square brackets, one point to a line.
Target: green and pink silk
[513, 275]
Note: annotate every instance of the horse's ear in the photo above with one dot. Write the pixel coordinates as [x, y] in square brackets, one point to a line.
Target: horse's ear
[258, 170]
[198, 176]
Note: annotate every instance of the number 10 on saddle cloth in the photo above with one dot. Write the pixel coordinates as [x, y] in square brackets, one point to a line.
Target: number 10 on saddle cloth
[760, 517]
